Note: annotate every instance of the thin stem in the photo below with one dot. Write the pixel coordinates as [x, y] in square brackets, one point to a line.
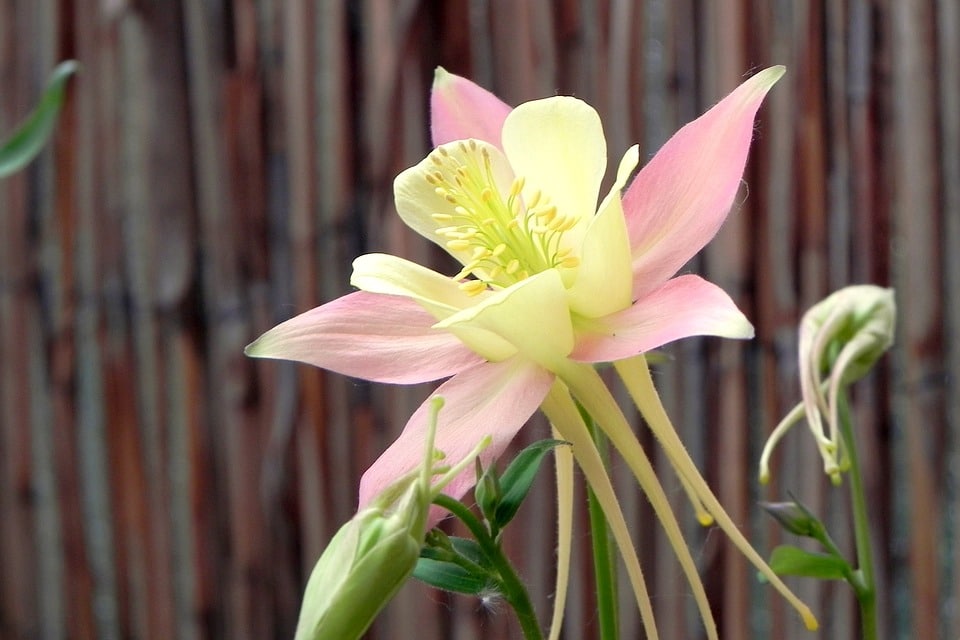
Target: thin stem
[864, 587]
[510, 585]
[604, 569]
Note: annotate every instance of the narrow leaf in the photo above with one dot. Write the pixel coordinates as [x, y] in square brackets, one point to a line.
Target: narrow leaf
[469, 549]
[27, 141]
[516, 481]
[788, 560]
[487, 491]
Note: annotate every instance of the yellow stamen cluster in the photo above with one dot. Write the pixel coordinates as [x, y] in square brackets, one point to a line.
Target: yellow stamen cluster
[508, 238]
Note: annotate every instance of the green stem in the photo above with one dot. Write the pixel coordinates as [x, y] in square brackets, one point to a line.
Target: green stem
[864, 587]
[510, 585]
[604, 568]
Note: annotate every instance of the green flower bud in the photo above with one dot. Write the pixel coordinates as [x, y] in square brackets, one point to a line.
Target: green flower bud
[362, 568]
[373, 554]
[794, 518]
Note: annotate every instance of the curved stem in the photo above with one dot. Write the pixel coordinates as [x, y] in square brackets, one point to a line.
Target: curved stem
[510, 585]
[864, 587]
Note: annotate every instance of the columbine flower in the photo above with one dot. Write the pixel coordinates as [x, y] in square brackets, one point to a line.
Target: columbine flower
[373, 554]
[550, 283]
[842, 336]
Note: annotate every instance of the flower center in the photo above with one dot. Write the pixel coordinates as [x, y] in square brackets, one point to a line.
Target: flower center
[507, 238]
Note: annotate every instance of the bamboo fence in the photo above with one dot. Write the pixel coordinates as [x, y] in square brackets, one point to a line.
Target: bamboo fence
[220, 163]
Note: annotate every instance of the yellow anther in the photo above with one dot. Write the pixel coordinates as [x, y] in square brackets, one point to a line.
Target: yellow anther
[443, 152]
[458, 245]
[570, 262]
[513, 223]
[461, 211]
[495, 272]
[463, 273]
[441, 217]
[473, 144]
[473, 287]
[523, 274]
[440, 191]
[498, 250]
[517, 186]
[446, 231]
[430, 178]
[449, 198]
[486, 195]
[512, 266]
[547, 213]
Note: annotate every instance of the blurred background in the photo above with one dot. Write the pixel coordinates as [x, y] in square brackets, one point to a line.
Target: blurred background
[218, 165]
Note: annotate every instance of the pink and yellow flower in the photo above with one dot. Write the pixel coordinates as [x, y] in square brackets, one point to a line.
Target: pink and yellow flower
[551, 283]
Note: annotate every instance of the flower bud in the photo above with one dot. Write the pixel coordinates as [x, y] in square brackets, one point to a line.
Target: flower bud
[841, 338]
[373, 554]
[362, 568]
[794, 518]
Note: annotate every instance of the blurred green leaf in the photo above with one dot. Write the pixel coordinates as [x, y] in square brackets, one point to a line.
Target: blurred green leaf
[788, 560]
[27, 141]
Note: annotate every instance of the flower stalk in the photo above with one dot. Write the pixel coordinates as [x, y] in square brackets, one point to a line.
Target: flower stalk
[863, 583]
[604, 567]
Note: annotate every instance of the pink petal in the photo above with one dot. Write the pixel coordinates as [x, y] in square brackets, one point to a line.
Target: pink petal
[685, 306]
[370, 336]
[678, 201]
[494, 399]
[460, 109]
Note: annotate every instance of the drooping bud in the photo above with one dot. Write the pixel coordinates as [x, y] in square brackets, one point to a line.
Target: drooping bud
[841, 338]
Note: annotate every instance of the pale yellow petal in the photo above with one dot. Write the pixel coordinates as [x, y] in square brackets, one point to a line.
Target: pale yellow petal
[420, 197]
[532, 316]
[557, 145]
[390, 275]
[604, 279]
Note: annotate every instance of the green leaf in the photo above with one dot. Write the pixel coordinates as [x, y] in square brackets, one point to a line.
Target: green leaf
[469, 549]
[788, 560]
[487, 491]
[516, 481]
[450, 576]
[27, 141]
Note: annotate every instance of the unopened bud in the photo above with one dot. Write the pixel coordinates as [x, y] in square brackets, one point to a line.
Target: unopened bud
[373, 554]
[794, 518]
[841, 338]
